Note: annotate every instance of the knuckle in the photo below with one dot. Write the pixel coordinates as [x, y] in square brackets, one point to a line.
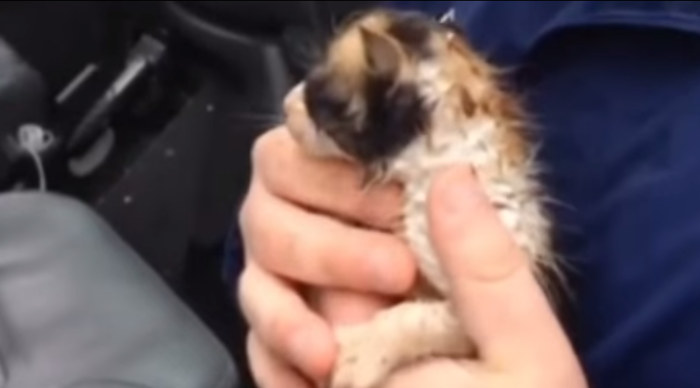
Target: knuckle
[259, 147]
[249, 206]
[250, 220]
[250, 342]
[255, 354]
[244, 212]
[274, 161]
[265, 145]
[243, 296]
[273, 326]
[280, 331]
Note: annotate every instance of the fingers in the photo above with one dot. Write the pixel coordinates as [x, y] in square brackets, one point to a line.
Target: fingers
[268, 371]
[328, 186]
[284, 324]
[498, 298]
[319, 250]
[347, 308]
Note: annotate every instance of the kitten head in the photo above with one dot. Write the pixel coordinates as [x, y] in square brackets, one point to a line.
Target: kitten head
[386, 79]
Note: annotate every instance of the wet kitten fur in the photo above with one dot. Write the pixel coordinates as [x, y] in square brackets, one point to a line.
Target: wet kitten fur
[404, 95]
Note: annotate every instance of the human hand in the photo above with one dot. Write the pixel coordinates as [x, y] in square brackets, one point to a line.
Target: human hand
[500, 305]
[300, 245]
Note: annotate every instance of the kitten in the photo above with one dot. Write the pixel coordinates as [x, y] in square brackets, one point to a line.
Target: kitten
[404, 95]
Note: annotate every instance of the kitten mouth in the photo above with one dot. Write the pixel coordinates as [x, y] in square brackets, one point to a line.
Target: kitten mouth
[297, 118]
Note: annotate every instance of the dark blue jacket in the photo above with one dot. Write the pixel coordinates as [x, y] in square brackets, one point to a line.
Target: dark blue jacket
[615, 87]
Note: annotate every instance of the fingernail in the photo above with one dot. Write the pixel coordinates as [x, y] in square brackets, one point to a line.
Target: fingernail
[456, 191]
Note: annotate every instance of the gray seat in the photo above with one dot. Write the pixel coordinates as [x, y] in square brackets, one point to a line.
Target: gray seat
[79, 308]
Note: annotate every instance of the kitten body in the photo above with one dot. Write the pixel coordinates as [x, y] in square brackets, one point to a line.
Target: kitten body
[405, 96]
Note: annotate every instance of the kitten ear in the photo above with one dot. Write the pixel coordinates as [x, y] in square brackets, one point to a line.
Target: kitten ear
[382, 55]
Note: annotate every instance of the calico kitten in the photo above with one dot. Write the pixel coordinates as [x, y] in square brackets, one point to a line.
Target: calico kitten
[403, 95]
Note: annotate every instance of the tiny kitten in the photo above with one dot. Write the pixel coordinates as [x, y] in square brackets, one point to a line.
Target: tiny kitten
[403, 95]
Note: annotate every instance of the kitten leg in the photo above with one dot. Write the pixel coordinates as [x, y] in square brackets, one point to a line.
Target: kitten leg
[409, 332]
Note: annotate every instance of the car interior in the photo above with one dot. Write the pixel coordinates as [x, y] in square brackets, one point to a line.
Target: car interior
[145, 112]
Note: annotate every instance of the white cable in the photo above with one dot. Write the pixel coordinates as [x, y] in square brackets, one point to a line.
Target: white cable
[34, 139]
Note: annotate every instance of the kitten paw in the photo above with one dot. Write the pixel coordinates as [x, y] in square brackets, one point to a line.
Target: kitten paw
[364, 359]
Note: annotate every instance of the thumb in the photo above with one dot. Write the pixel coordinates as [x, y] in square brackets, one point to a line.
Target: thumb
[496, 296]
